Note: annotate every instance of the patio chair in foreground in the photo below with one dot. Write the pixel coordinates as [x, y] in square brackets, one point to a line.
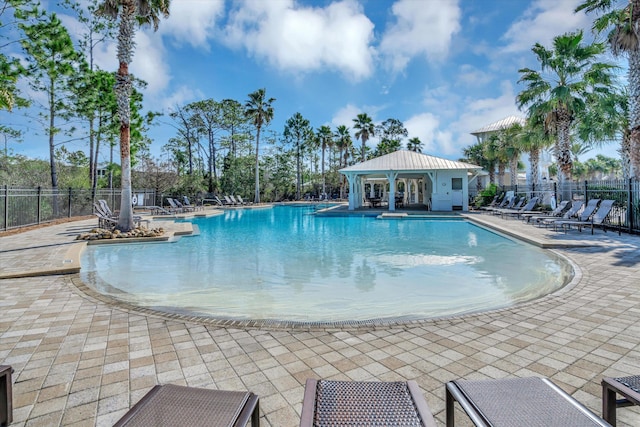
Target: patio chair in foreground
[175, 406]
[517, 402]
[597, 219]
[357, 403]
[627, 387]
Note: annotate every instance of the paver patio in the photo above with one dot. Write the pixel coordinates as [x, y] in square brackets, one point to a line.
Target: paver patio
[79, 360]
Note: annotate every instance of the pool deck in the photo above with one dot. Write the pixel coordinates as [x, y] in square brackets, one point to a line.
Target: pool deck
[83, 361]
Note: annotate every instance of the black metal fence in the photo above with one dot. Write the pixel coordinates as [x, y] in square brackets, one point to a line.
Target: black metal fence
[625, 213]
[20, 207]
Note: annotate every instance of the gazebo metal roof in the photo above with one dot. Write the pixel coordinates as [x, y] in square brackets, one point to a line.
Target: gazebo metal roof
[406, 162]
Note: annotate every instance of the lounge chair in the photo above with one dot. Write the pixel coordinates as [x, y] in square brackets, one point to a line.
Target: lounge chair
[173, 206]
[187, 204]
[597, 219]
[242, 202]
[174, 405]
[527, 208]
[627, 387]
[569, 214]
[558, 211]
[515, 205]
[228, 200]
[357, 403]
[106, 217]
[504, 204]
[583, 216]
[233, 200]
[183, 207]
[517, 402]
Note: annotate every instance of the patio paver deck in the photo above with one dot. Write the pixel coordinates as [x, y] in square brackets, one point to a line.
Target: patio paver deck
[80, 361]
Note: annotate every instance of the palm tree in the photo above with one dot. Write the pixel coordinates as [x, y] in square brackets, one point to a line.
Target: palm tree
[493, 151]
[258, 109]
[414, 144]
[364, 130]
[324, 137]
[572, 73]
[624, 38]
[344, 143]
[533, 139]
[510, 145]
[297, 131]
[130, 13]
[608, 120]
[474, 154]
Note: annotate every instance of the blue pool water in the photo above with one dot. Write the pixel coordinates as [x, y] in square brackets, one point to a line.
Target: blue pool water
[286, 263]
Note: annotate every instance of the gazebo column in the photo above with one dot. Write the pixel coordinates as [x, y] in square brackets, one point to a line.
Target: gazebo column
[391, 176]
[416, 191]
[355, 195]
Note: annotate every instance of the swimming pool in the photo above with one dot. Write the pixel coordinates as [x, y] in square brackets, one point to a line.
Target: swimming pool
[287, 264]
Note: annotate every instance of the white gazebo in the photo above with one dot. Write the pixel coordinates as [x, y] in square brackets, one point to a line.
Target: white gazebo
[438, 184]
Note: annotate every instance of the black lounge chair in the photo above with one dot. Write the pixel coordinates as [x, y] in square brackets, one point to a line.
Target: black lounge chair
[505, 202]
[557, 212]
[356, 403]
[517, 402]
[569, 214]
[174, 405]
[527, 208]
[585, 215]
[597, 219]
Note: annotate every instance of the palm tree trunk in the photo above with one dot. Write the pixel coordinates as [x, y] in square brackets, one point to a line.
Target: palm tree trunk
[634, 111]
[625, 155]
[256, 198]
[563, 154]
[324, 190]
[514, 171]
[534, 161]
[123, 94]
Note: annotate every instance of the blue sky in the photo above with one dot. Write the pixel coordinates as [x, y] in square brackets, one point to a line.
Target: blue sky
[443, 67]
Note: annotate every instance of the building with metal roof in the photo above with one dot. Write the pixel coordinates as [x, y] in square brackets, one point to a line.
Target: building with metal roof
[494, 127]
[438, 184]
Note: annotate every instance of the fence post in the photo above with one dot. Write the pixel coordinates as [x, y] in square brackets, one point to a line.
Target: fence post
[39, 203]
[630, 208]
[6, 207]
[586, 192]
[69, 202]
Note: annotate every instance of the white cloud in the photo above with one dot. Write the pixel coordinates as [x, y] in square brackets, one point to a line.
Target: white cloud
[541, 22]
[345, 116]
[193, 21]
[420, 29]
[426, 127]
[149, 62]
[472, 76]
[481, 112]
[294, 38]
[181, 96]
